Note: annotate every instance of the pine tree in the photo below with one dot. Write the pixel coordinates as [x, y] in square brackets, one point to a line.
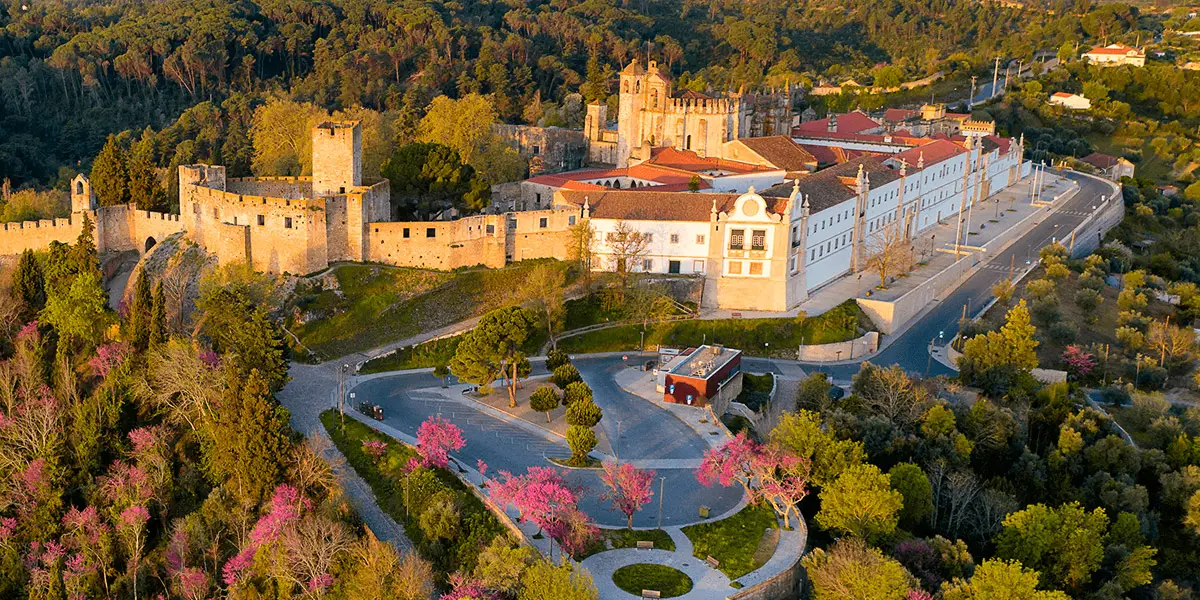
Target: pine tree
[138, 320]
[158, 316]
[82, 256]
[144, 187]
[110, 174]
[247, 446]
[29, 286]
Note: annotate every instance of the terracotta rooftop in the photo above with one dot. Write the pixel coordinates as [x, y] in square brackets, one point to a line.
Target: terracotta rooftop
[687, 160]
[929, 154]
[851, 122]
[659, 206]
[660, 175]
[1117, 49]
[835, 185]
[781, 151]
[895, 115]
[1100, 161]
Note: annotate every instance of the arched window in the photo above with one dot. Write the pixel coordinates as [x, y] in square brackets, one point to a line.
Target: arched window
[79, 188]
[617, 184]
[654, 99]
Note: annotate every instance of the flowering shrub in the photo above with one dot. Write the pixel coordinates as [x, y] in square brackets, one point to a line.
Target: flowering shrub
[437, 437]
[108, 357]
[374, 448]
[285, 509]
[628, 488]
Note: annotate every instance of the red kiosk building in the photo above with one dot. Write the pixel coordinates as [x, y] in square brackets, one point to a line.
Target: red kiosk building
[701, 373]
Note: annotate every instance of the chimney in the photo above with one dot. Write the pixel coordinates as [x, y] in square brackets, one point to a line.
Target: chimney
[832, 124]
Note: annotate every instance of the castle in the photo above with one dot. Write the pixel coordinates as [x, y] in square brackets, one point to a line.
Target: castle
[651, 114]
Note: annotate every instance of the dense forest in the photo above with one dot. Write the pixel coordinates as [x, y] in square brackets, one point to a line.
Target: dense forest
[72, 72]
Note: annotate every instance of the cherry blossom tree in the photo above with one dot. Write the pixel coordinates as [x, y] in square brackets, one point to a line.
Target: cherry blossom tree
[108, 357]
[436, 438]
[465, 588]
[90, 537]
[629, 488]
[286, 505]
[193, 582]
[767, 473]
[374, 448]
[1079, 361]
[131, 526]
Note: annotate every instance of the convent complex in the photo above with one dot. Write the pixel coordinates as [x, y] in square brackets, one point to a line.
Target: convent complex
[715, 188]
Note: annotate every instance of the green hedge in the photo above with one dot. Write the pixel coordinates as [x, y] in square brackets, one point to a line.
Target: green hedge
[756, 337]
[386, 478]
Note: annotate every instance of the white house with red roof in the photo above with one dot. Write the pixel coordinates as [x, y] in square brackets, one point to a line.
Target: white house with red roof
[1114, 55]
[1071, 101]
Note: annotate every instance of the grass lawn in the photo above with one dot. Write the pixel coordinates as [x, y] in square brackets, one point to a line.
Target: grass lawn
[732, 541]
[387, 480]
[668, 581]
[628, 538]
[1150, 167]
[781, 336]
[376, 304]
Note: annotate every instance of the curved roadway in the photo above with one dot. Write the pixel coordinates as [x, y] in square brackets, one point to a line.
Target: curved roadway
[911, 349]
[648, 433]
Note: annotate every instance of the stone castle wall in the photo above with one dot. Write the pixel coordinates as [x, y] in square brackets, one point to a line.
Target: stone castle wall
[288, 188]
[16, 238]
[466, 242]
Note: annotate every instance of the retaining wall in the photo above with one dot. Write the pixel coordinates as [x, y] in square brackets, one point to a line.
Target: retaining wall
[868, 343]
[784, 585]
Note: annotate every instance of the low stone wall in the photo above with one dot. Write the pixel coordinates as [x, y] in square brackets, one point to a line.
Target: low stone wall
[868, 343]
[784, 585]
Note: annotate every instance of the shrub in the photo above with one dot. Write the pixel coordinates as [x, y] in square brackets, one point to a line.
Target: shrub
[1115, 396]
[556, 358]
[581, 440]
[1130, 338]
[423, 486]
[565, 375]
[440, 519]
[544, 399]
[575, 392]
[1061, 333]
[1057, 271]
[1132, 318]
[1128, 299]
[1040, 288]
[1087, 300]
[1045, 311]
[1055, 252]
[584, 414]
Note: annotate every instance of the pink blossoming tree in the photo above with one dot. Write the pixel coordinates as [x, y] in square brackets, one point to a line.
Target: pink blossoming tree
[766, 473]
[108, 357]
[1079, 361]
[91, 538]
[436, 438]
[131, 526]
[374, 448]
[286, 505]
[629, 488]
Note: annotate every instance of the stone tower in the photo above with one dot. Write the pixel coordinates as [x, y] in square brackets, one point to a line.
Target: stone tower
[83, 198]
[337, 157]
[629, 111]
[596, 121]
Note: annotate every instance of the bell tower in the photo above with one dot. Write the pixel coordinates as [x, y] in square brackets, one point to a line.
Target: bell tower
[83, 198]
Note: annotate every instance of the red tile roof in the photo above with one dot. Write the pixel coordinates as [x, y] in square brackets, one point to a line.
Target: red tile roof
[1118, 49]
[851, 122]
[659, 206]
[687, 160]
[835, 185]
[895, 115]
[929, 154]
[660, 175]
[1100, 161]
[781, 151]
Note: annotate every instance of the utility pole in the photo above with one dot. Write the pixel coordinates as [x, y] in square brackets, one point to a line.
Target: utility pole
[971, 100]
[995, 77]
[661, 482]
[929, 361]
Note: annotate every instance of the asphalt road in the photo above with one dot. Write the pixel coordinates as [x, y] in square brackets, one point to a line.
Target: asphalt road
[911, 350]
[647, 432]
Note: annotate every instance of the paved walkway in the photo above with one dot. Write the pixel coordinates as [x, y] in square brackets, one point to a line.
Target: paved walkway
[707, 582]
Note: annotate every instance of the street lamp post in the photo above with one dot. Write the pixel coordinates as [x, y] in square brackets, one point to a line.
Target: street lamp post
[661, 482]
[617, 450]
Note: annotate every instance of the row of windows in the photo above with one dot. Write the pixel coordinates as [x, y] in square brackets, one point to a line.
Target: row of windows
[827, 248]
[751, 268]
[611, 236]
[261, 219]
[758, 239]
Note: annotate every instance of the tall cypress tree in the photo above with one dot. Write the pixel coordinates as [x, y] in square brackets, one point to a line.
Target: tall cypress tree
[138, 320]
[110, 174]
[29, 286]
[158, 316]
[144, 187]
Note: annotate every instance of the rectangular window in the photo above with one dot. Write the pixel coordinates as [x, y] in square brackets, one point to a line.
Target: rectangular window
[735, 239]
[735, 267]
[537, 150]
[756, 268]
[673, 266]
[406, 233]
[795, 262]
[287, 222]
[216, 213]
[571, 220]
[262, 220]
[491, 230]
[647, 264]
[430, 232]
[649, 237]
[758, 239]
[543, 222]
[698, 266]
[700, 239]
[196, 208]
[674, 238]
